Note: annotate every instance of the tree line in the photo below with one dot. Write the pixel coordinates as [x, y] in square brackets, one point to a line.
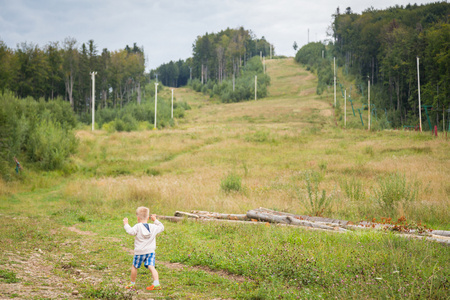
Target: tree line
[383, 45]
[215, 57]
[62, 70]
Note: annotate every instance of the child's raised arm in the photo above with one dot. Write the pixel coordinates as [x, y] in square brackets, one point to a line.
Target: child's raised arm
[125, 221]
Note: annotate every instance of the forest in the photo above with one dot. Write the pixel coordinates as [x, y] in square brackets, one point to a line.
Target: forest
[62, 70]
[383, 46]
[215, 57]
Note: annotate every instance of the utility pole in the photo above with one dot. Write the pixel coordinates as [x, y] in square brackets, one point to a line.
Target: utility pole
[93, 98]
[334, 64]
[190, 73]
[308, 35]
[420, 107]
[171, 115]
[233, 81]
[345, 109]
[256, 86]
[368, 100]
[156, 102]
[264, 64]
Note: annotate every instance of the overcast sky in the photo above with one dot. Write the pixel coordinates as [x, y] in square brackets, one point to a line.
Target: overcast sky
[167, 28]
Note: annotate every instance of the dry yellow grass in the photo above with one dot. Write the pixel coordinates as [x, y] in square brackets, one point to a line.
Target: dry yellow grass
[268, 143]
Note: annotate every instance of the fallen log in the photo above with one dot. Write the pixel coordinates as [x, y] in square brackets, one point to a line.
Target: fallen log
[261, 216]
[441, 233]
[215, 215]
[267, 217]
[185, 214]
[294, 221]
[304, 217]
[289, 221]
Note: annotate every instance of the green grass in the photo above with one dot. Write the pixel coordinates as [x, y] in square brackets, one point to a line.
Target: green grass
[327, 265]
[231, 158]
[8, 276]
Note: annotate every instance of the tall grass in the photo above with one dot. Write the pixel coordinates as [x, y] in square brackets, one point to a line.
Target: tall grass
[393, 191]
[313, 264]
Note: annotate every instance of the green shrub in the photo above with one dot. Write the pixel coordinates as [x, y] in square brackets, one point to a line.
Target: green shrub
[316, 200]
[119, 125]
[393, 190]
[232, 182]
[50, 145]
[41, 131]
[109, 127]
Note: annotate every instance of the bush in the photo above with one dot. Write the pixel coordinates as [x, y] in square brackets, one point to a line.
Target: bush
[232, 182]
[316, 201]
[50, 145]
[394, 190]
[41, 131]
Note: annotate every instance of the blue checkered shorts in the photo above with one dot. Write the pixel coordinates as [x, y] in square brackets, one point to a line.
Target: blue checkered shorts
[147, 259]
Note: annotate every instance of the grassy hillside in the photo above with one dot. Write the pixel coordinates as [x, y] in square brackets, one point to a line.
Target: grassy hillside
[231, 158]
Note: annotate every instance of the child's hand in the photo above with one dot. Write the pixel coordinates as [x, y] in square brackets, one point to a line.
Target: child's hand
[125, 221]
[153, 218]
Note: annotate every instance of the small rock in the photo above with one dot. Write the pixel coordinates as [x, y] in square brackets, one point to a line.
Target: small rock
[75, 292]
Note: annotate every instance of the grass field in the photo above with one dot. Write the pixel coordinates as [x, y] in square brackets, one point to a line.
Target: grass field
[62, 234]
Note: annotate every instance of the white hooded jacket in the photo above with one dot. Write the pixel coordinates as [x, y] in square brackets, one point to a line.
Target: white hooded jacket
[144, 241]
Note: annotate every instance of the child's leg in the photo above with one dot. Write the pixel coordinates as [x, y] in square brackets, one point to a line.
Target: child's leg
[155, 275]
[133, 274]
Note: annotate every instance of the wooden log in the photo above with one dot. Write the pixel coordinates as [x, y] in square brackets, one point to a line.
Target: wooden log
[441, 233]
[215, 215]
[253, 214]
[185, 214]
[288, 220]
[304, 217]
[294, 221]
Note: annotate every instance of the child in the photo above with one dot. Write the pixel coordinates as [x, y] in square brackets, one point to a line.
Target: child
[18, 166]
[144, 245]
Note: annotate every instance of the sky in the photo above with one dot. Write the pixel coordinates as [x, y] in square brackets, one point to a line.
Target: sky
[166, 29]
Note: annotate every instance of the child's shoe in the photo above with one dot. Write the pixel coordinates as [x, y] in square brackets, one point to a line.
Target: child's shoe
[154, 287]
[130, 285]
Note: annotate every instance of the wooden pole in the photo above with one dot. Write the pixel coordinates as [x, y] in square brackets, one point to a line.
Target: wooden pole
[156, 101]
[368, 101]
[93, 99]
[264, 64]
[256, 86]
[345, 109]
[171, 115]
[334, 64]
[420, 107]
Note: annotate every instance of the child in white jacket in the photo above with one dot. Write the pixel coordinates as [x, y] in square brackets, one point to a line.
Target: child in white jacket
[144, 245]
